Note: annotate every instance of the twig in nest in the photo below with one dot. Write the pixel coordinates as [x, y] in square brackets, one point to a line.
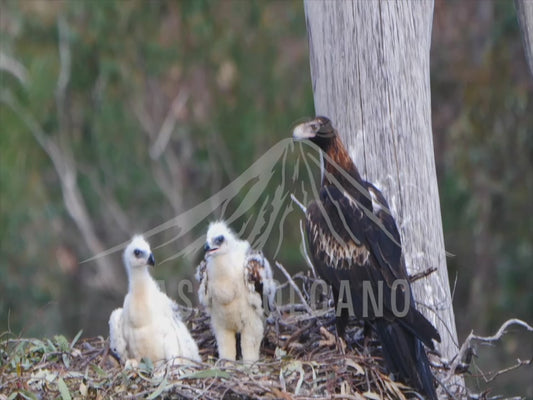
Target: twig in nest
[332, 340]
[295, 287]
[298, 332]
[422, 274]
[304, 250]
[298, 203]
[105, 354]
[461, 361]
[329, 337]
[519, 363]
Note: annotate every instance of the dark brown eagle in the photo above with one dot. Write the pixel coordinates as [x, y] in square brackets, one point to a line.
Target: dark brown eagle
[355, 247]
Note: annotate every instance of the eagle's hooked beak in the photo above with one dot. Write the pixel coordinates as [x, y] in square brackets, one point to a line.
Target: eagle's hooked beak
[307, 130]
[319, 127]
[151, 260]
[208, 249]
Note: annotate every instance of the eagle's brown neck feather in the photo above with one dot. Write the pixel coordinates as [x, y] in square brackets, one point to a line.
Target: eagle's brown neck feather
[338, 153]
[354, 184]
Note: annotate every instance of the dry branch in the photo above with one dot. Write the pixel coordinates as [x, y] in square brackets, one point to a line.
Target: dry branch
[63, 162]
[14, 67]
[462, 360]
[295, 287]
[422, 274]
[169, 124]
[304, 250]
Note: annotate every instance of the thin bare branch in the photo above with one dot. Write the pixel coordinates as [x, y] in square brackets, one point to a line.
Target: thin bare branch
[65, 60]
[144, 118]
[166, 166]
[463, 357]
[422, 274]
[14, 67]
[72, 197]
[304, 250]
[295, 287]
[163, 137]
[519, 363]
[298, 203]
[498, 335]
[114, 210]
[49, 147]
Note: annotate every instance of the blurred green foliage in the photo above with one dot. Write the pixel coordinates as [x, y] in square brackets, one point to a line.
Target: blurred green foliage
[482, 105]
[484, 100]
[242, 68]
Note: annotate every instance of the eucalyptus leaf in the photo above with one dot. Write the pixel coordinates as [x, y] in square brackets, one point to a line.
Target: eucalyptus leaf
[66, 360]
[163, 386]
[146, 365]
[76, 338]
[26, 394]
[99, 371]
[63, 389]
[62, 343]
[208, 373]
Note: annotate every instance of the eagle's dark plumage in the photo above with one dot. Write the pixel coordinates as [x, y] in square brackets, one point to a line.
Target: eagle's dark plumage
[353, 238]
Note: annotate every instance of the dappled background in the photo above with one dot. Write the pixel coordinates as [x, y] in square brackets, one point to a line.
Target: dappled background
[118, 116]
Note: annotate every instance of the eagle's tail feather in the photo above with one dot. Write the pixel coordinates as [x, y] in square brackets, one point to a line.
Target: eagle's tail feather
[422, 328]
[406, 357]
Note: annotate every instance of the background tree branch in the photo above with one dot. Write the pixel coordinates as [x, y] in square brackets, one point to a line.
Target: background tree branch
[524, 9]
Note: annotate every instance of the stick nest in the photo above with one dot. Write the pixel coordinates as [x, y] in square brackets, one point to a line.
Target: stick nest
[300, 358]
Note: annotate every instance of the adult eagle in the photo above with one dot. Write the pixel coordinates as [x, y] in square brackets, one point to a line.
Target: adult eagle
[355, 247]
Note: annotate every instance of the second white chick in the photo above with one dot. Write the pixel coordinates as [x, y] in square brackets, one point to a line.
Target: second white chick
[148, 325]
[234, 281]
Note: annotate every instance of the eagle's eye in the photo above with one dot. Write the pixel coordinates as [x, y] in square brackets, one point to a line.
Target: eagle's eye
[137, 253]
[218, 240]
[325, 129]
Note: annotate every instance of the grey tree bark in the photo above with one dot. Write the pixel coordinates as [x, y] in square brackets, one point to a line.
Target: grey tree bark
[370, 74]
[524, 9]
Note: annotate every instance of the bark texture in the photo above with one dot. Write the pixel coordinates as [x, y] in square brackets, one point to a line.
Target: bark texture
[370, 74]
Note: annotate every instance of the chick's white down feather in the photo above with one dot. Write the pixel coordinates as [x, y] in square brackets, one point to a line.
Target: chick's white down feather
[231, 278]
[148, 325]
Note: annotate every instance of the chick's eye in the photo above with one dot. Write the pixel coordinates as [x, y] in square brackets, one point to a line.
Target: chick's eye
[219, 240]
[137, 253]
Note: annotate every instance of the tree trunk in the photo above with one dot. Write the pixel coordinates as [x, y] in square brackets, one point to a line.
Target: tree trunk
[370, 74]
[524, 9]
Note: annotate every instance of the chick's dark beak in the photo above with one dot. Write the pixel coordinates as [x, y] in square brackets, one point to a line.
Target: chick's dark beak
[206, 247]
[151, 260]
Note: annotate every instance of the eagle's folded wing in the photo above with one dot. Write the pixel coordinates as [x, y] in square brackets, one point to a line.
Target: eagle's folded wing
[259, 279]
[201, 276]
[185, 345]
